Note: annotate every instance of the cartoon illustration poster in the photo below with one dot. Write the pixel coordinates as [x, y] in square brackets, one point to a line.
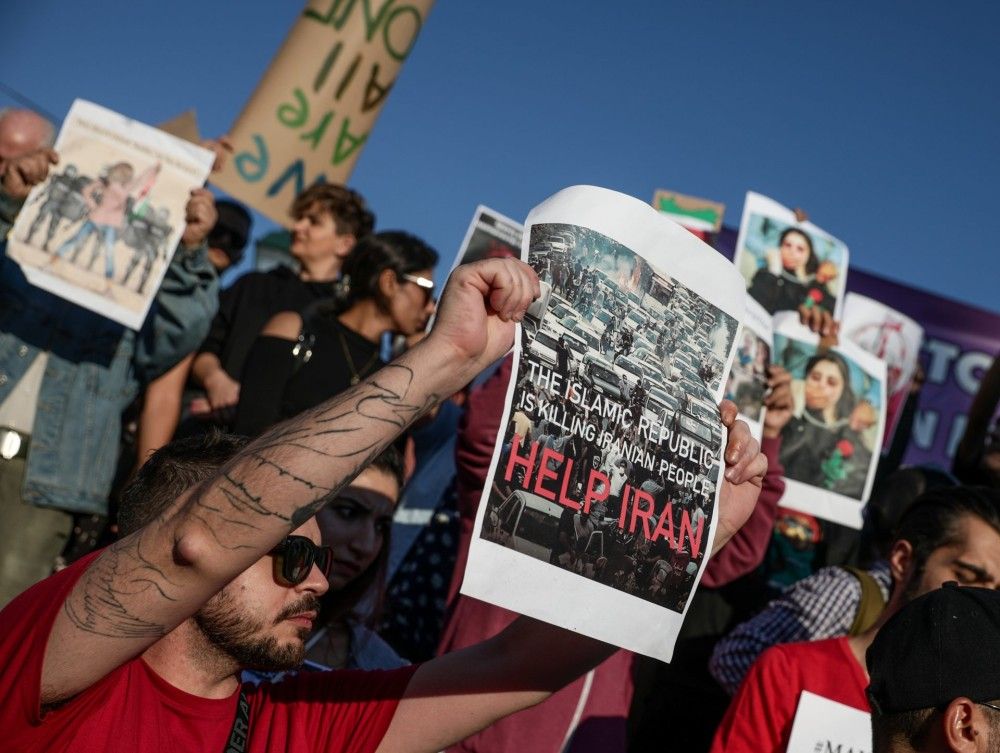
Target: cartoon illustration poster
[787, 264]
[101, 230]
[599, 510]
[830, 446]
[893, 337]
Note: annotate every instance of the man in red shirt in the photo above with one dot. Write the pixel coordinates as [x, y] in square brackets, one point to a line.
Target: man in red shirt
[948, 534]
[138, 647]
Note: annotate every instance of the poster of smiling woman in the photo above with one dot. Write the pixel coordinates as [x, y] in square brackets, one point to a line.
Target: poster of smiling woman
[787, 264]
[831, 441]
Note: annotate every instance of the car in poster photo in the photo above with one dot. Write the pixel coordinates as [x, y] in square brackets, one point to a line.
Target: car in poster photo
[525, 523]
[599, 375]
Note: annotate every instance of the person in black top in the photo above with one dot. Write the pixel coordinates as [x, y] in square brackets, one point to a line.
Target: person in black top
[329, 220]
[300, 360]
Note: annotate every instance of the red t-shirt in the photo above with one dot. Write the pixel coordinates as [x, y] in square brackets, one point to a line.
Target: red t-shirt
[760, 717]
[133, 709]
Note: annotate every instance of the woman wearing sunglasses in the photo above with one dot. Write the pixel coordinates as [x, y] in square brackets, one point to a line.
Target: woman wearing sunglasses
[298, 361]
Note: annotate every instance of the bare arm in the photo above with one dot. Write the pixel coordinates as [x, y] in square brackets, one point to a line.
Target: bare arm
[145, 585]
[161, 410]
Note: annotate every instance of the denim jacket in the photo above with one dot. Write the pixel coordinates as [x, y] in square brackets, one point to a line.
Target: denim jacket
[95, 370]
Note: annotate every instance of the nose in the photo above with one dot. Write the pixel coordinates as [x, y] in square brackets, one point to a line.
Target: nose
[315, 582]
[363, 544]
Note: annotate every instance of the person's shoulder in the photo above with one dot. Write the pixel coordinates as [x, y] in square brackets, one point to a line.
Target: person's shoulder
[285, 324]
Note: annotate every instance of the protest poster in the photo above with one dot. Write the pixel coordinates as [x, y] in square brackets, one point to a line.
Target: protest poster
[316, 105]
[101, 230]
[831, 444]
[960, 342]
[747, 383]
[701, 216]
[599, 509]
[893, 337]
[786, 263]
[825, 726]
[490, 235]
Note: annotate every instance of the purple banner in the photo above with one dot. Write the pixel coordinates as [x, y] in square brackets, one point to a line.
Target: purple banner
[960, 343]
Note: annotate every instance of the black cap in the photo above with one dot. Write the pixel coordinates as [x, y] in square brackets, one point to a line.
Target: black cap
[232, 229]
[942, 645]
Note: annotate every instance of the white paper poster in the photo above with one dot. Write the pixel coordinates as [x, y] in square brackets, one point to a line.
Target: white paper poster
[893, 337]
[825, 726]
[747, 382]
[786, 263]
[599, 509]
[101, 230]
[490, 236]
[830, 447]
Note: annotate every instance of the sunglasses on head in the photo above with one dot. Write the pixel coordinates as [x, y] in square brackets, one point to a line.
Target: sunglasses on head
[294, 558]
[421, 282]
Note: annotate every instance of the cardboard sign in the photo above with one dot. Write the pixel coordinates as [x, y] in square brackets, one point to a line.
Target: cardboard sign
[599, 510]
[825, 726]
[101, 230]
[315, 107]
[701, 215]
[184, 126]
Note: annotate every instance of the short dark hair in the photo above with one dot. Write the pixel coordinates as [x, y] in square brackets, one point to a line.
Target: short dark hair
[932, 521]
[171, 471]
[184, 463]
[347, 207]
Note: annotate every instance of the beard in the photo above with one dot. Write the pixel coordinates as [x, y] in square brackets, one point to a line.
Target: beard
[243, 637]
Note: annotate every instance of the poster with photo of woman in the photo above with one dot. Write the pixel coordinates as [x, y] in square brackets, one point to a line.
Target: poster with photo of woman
[830, 445]
[747, 383]
[786, 263]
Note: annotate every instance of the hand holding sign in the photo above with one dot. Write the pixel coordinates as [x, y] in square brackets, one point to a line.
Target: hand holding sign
[745, 469]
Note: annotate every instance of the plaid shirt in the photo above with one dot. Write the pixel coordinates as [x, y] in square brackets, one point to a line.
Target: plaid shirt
[821, 606]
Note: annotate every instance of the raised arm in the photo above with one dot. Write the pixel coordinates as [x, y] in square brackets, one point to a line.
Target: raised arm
[143, 586]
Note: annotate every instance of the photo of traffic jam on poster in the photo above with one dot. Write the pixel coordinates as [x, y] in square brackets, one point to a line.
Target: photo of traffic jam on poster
[598, 514]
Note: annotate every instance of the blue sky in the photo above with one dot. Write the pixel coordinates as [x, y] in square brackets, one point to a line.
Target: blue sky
[878, 118]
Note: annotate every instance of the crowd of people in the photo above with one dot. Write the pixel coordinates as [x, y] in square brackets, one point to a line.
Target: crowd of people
[197, 516]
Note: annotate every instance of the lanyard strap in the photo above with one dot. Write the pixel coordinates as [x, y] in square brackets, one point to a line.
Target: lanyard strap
[240, 733]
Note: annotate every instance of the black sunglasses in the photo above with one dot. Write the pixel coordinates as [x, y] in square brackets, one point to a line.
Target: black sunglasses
[294, 558]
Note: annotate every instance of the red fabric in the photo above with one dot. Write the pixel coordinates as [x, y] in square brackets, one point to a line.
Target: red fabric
[602, 700]
[760, 717]
[133, 709]
[746, 550]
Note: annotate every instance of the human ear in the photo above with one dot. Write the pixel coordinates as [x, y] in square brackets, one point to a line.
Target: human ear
[901, 561]
[963, 727]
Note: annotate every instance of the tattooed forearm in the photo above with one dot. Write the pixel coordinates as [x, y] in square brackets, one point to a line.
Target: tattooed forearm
[103, 606]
